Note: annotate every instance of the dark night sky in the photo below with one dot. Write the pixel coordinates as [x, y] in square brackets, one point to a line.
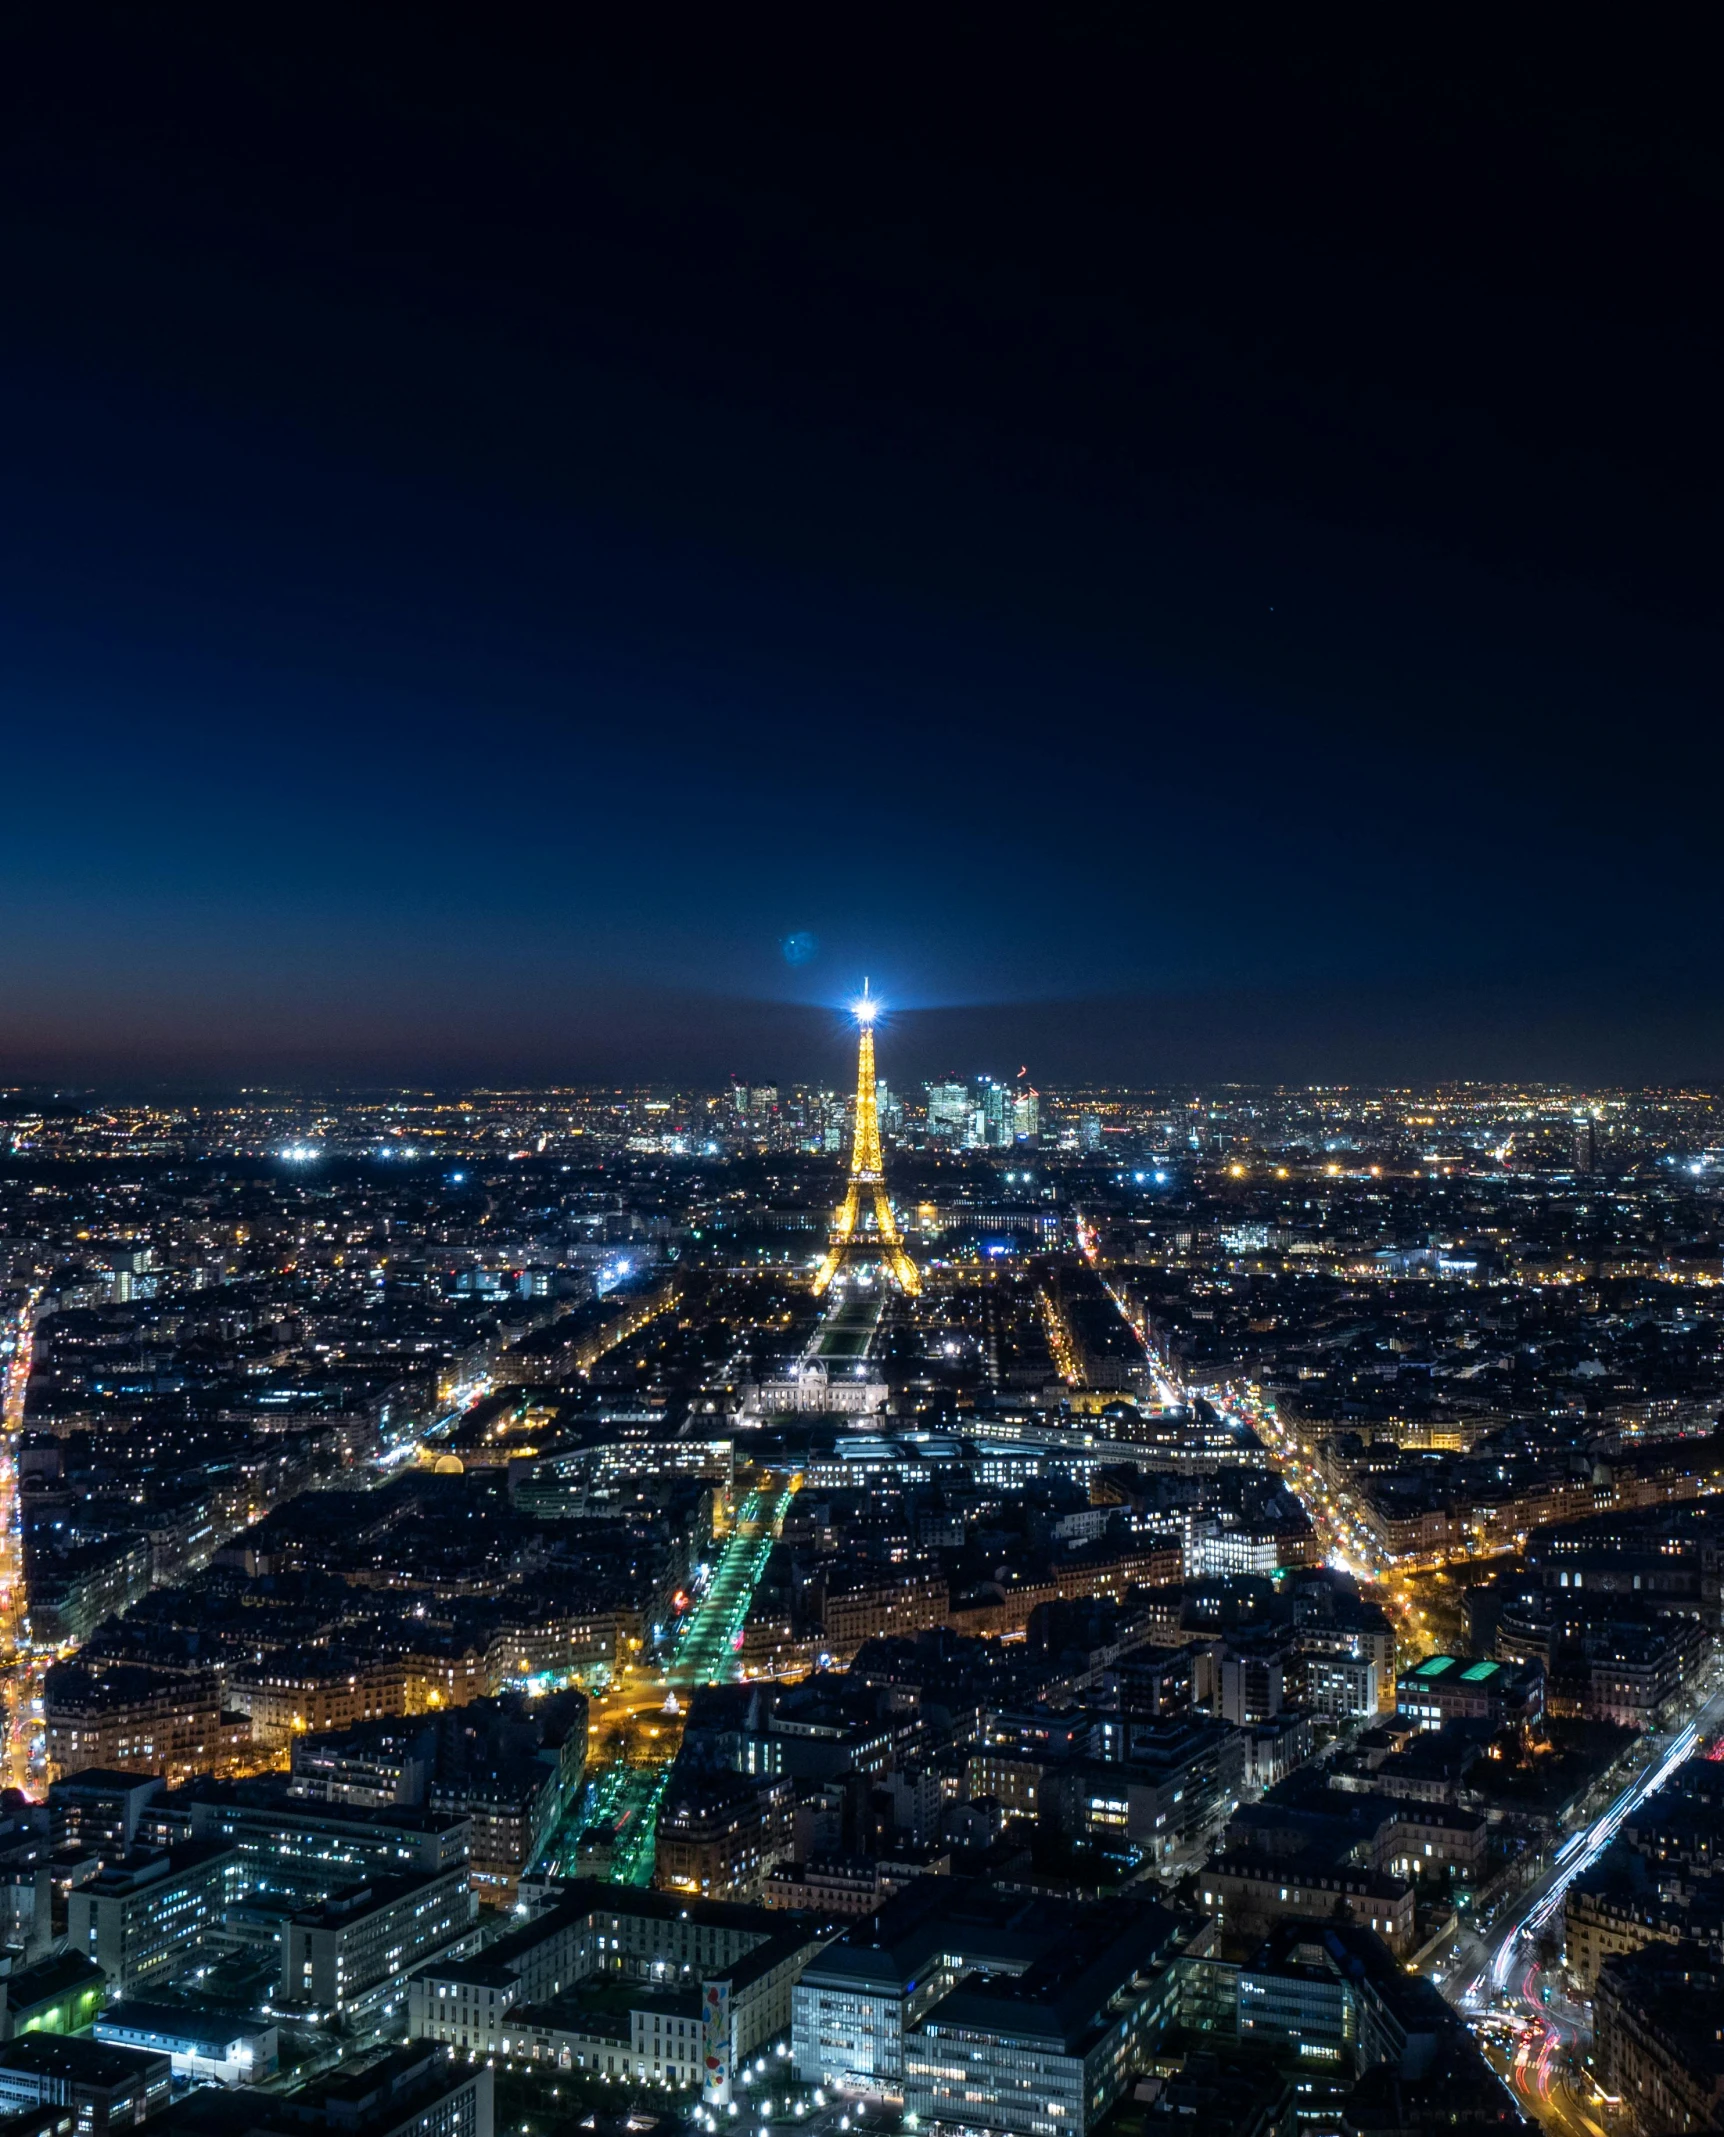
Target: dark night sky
[1175, 551]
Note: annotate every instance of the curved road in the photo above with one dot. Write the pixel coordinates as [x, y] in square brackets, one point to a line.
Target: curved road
[1545, 2068]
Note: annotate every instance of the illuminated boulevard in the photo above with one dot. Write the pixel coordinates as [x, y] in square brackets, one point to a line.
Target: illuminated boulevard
[17, 1676]
[636, 1726]
[1497, 1980]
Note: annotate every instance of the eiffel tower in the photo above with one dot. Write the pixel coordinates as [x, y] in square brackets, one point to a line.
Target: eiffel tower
[854, 1244]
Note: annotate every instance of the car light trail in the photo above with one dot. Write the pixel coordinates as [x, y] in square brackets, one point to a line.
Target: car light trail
[1596, 1839]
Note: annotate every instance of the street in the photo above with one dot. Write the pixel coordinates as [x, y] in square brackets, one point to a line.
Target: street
[641, 1714]
[20, 1674]
[1534, 2035]
[1499, 1983]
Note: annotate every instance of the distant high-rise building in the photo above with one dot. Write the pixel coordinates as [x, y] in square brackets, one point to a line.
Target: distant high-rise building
[1585, 1143]
[997, 1115]
[948, 1110]
[1089, 1132]
[1027, 1115]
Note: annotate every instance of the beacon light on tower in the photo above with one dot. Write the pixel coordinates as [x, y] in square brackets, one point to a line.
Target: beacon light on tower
[853, 1243]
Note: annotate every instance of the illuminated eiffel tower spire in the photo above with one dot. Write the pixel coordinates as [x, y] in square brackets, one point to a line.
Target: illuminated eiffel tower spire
[853, 1242]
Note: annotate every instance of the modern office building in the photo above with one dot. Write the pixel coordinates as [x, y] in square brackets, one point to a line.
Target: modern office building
[340, 1956]
[99, 1808]
[861, 1996]
[142, 1920]
[1341, 1687]
[1052, 2049]
[296, 1847]
[107, 2088]
[1180, 1777]
[858, 1998]
[374, 1764]
[1331, 1995]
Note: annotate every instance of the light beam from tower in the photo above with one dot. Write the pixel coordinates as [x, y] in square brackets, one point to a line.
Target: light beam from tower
[852, 1241]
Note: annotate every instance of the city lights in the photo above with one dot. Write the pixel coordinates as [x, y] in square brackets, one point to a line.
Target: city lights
[645, 1522]
[605, 1532]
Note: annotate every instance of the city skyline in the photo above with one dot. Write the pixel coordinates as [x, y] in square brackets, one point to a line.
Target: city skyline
[537, 1602]
[861, 1075]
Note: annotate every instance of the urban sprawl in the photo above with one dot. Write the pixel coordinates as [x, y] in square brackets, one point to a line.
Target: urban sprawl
[966, 1609]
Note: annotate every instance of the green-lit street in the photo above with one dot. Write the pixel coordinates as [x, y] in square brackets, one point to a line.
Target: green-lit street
[847, 1334]
[707, 1651]
[616, 1811]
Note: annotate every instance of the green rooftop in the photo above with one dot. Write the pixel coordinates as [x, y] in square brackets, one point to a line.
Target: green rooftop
[1434, 1666]
[59, 1995]
[1479, 1672]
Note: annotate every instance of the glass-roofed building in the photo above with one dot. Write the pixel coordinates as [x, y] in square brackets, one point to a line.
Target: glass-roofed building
[1445, 1688]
